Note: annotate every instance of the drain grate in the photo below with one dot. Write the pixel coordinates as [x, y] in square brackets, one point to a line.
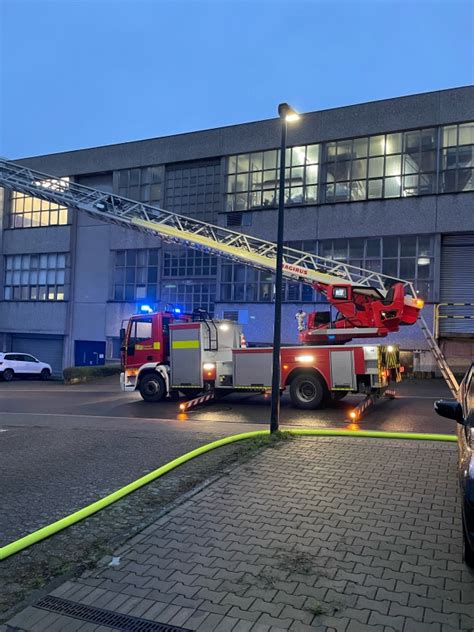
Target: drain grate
[123, 622]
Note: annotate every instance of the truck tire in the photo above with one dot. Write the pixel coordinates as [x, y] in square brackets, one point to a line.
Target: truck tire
[338, 395]
[152, 387]
[307, 392]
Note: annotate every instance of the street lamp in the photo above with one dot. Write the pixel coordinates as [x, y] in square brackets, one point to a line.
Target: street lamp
[287, 114]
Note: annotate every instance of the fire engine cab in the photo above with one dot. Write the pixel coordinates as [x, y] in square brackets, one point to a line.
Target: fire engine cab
[165, 354]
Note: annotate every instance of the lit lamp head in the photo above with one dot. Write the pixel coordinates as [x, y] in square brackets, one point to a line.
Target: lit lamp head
[287, 113]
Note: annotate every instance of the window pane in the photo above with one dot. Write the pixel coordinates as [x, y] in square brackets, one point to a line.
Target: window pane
[390, 267]
[312, 153]
[450, 136]
[407, 246]
[412, 141]
[375, 167]
[373, 248]
[390, 246]
[311, 174]
[358, 190]
[359, 147]
[243, 163]
[393, 144]
[377, 145]
[392, 187]
[298, 156]
[393, 165]
[424, 246]
[270, 159]
[466, 134]
[356, 248]
[232, 164]
[375, 188]
[359, 169]
[407, 269]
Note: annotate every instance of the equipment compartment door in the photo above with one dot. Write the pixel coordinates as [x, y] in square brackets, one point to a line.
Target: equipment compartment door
[252, 368]
[342, 370]
[185, 356]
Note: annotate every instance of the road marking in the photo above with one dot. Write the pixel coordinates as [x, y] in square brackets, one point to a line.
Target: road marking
[178, 421]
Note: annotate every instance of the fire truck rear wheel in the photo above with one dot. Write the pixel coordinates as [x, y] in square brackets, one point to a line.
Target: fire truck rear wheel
[152, 387]
[307, 391]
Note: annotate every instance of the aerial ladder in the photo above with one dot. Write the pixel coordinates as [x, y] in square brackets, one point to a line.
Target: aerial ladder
[369, 304]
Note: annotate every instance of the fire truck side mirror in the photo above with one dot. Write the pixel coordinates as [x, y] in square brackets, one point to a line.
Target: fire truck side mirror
[122, 334]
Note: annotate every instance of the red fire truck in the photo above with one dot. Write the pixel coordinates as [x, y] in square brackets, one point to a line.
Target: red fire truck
[165, 354]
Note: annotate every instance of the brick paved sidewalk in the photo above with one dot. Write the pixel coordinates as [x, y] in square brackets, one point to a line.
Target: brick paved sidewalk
[319, 534]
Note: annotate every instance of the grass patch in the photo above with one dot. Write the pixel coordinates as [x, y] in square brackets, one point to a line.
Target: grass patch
[81, 374]
[316, 609]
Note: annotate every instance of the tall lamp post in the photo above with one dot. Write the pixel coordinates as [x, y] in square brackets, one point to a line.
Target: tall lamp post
[287, 114]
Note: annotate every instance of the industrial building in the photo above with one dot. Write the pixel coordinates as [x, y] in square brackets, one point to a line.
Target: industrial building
[386, 185]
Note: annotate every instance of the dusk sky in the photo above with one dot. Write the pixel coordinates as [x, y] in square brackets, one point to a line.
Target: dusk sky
[78, 73]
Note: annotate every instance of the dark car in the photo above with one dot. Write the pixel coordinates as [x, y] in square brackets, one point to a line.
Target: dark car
[462, 410]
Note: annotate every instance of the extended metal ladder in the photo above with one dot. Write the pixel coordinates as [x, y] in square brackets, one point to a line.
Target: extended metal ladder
[439, 357]
[297, 264]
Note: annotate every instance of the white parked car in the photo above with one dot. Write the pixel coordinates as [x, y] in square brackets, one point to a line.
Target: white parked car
[22, 365]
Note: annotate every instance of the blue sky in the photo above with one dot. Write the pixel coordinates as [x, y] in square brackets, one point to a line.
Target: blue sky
[79, 73]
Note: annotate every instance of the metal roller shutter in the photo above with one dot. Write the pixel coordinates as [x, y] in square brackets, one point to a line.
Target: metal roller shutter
[457, 284]
[46, 348]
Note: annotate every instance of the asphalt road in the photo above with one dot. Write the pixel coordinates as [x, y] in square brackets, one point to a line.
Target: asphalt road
[62, 447]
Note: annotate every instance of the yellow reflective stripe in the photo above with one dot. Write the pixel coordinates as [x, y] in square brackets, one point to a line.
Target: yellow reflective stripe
[185, 344]
[156, 345]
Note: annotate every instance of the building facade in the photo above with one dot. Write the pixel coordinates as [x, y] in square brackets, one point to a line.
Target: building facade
[387, 186]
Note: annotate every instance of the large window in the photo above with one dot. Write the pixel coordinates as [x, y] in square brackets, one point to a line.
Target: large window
[135, 275]
[252, 179]
[389, 165]
[457, 161]
[194, 189]
[243, 283]
[184, 262]
[383, 166]
[39, 277]
[409, 257]
[31, 212]
[189, 295]
[142, 184]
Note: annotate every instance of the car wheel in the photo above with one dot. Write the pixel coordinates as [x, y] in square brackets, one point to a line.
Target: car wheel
[152, 387]
[468, 552]
[8, 375]
[45, 374]
[307, 392]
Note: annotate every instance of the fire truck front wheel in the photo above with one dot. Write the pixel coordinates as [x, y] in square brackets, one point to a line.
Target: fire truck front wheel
[152, 387]
[307, 391]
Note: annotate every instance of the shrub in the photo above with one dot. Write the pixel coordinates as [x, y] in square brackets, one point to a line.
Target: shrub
[79, 374]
